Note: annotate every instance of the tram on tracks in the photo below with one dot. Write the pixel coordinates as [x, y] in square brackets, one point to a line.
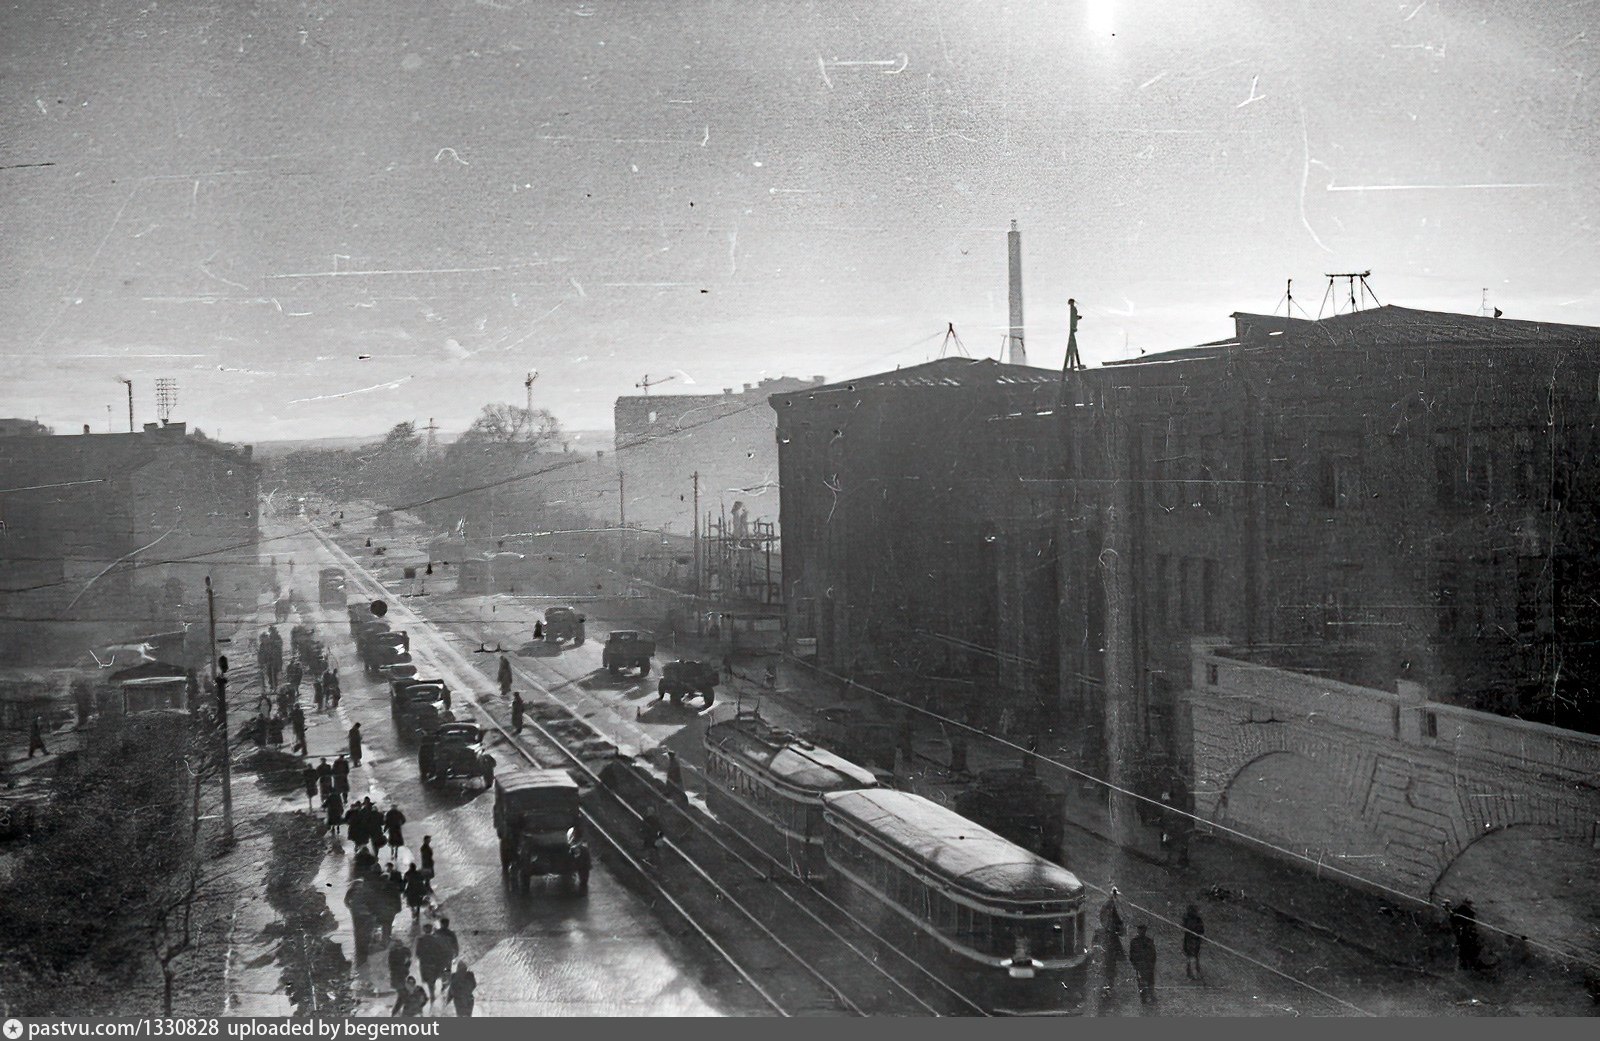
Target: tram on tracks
[1002, 925]
[769, 784]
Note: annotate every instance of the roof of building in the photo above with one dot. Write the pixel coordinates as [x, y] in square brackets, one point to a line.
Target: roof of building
[964, 853]
[941, 372]
[62, 458]
[1387, 326]
[781, 754]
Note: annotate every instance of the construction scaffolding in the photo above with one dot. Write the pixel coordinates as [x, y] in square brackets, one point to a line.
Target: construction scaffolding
[739, 558]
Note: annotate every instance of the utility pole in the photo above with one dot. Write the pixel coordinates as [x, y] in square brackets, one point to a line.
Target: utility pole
[622, 514]
[221, 680]
[130, 405]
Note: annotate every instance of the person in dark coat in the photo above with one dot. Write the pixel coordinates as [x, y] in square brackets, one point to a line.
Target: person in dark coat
[335, 813]
[36, 739]
[393, 890]
[393, 821]
[505, 676]
[416, 891]
[297, 720]
[433, 958]
[412, 1000]
[341, 778]
[374, 824]
[538, 629]
[1142, 956]
[335, 691]
[399, 965]
[324, 779]
[518, 707]
[463, 989]
[1110, 956]
[1194, 933]
[355, 824]
[674, 771]
[358, 898]
[319, 691]
[355, 744]
[1464, 924]
[425, 854]
[309, 777]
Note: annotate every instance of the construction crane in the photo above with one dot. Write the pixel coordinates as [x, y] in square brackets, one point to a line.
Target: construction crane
[646, 383]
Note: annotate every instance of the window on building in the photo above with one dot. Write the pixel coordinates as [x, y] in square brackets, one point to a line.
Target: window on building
[1208, 596]
[1430, 724]
[1211, 675]
[1339, 483]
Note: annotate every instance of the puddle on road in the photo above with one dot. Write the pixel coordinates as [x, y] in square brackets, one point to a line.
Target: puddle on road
[314, 971]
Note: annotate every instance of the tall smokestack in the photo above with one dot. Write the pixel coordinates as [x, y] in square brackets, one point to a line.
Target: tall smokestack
[1019, 354]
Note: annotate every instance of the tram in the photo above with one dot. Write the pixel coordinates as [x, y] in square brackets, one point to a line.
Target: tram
[769, 785]
[1005, 926]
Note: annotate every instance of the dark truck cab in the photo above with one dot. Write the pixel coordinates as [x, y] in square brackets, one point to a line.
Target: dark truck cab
[561, 624]
[419, 707]
[681, 679]
[537, 816]
[455, 751]
[628, 649]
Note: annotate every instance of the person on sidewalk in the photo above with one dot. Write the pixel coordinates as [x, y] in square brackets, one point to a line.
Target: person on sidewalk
[433, 958]
[416, 891]
[324, 779]
[335, 691]
[411, 1002]
[518, 707]
[505, 676]
[1194, 933]
[538, 629]
[674, 772]
[36, 739]
[447, 937]
[297, 720]
[319, 692]
[393, 822]
[399, 965]
[335, 813]
[355, 745]
[1111, 956]
[463, 989]
[341, 777]
[309, 777]
[1142, 956]
[425, 854]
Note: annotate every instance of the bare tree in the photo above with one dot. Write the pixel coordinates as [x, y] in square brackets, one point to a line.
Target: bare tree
[504, 424]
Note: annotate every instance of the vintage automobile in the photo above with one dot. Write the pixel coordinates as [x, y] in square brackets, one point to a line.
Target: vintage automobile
[536, 815]
[385, 648]
[399, 689]
[628, 649]
[453, 752]
[330, 585]
[681, 679]
[561, 624]
[421, 709]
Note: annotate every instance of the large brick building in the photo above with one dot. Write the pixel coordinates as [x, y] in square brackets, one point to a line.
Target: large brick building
[105, 537]
[892, 489]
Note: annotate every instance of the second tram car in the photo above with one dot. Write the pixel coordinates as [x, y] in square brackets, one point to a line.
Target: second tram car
[1006, 925]
[770, 784]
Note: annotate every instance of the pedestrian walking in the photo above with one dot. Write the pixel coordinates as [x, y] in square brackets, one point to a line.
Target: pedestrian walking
[399, 965]
[447, 937]
[505, 676]
[275, 730]
[433, 958]
[772, 675]
[297, 719]
[356, 899]
[1110, 957]
[1142, 956]
[425, 854]
[355, 744]
[335, 813]
[374, 820]
[341, 777]
[1194, 933]
[416, 891]
[319, 691]
[538, 629]
[355, 823]
[411, 1002]
[324, 779]
[335, 691]
[309, 777]
[463, 989]
[674, 772]
[1464, 925]
[393, 821]
[392, 889]
[36, 739]
[293, 675]
[518, 707]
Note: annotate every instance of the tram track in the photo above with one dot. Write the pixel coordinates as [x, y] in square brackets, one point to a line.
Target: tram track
[837, 973]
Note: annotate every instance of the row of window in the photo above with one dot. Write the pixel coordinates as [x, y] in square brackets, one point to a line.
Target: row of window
[782, 810]
[1047, 938]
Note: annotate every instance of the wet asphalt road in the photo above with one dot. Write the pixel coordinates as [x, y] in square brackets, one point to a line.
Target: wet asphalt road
[550, 953]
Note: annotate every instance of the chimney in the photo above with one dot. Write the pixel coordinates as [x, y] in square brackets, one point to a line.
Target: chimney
[1019, 355]
[727, 391]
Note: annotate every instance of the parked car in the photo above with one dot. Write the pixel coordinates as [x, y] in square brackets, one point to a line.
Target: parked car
[681, 679]
[628, 649]
[421, 710]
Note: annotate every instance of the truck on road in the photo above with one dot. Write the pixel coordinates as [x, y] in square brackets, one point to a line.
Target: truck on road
[455, 751]
[538, 819]
[681, 679]
[628, 649]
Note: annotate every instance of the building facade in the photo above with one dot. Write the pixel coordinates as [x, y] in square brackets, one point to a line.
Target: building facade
[108, 537]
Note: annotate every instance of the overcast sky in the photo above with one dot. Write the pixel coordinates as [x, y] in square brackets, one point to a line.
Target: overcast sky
[322, 218]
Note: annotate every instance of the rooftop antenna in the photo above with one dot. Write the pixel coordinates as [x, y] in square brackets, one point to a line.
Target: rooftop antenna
[949, 337]
[646, 383]
[1351, 278]
[1288, 301]
[166, 398]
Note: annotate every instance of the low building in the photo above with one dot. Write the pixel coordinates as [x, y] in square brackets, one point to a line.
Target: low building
[110, 537]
